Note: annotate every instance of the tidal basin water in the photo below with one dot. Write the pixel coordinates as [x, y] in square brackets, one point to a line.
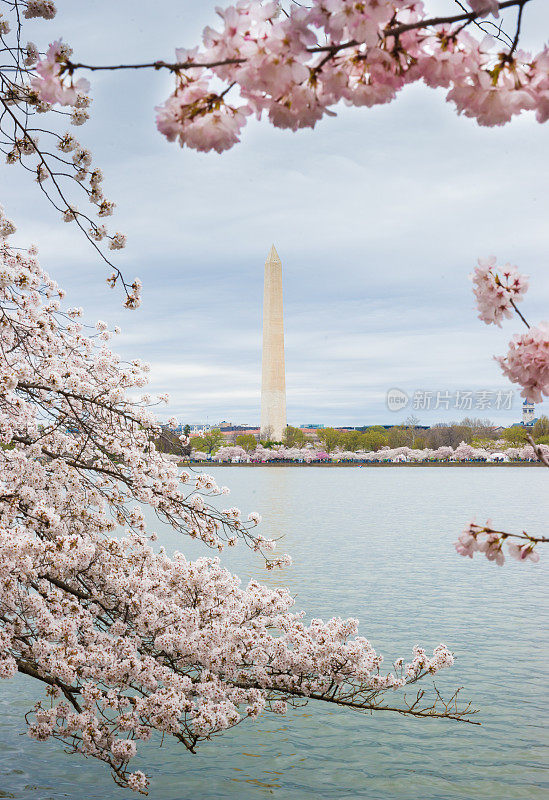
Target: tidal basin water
[375, 544]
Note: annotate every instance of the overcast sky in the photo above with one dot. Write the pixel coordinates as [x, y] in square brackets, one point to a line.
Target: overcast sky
[378, 217]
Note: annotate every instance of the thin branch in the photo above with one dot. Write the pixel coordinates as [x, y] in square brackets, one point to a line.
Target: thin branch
[175, 66]
[519, 313]
[517, 34]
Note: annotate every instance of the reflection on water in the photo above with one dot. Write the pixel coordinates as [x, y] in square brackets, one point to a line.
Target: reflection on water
[375, 544]
[276, 503]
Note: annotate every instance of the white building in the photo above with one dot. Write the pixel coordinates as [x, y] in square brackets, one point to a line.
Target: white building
[200, 429]
[528, 410]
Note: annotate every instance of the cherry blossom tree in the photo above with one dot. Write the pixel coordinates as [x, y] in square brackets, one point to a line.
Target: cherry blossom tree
[128, 641]
[231, 452]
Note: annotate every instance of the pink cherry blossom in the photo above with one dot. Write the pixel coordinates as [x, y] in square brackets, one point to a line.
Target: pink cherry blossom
[539, 86]
[485, 7]
[484, 539]
[131, 642]
[292, 66]
[527, 362]
[50, 85]
[523, 552]
[295, 69]
[496, 288]
[466, 544]
[40, 8]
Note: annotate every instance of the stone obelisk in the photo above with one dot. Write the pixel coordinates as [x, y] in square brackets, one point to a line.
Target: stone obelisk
[273, 381]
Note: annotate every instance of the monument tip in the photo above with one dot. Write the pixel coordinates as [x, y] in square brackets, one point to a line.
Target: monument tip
[273, 255]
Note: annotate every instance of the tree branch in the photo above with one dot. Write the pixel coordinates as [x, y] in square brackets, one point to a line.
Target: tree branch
[390, 31]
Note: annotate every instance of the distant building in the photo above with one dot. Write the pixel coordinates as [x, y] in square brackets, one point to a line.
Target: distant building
[200, 428]
[528, 410]
[312, 426]
[230, 428]
[364, 428]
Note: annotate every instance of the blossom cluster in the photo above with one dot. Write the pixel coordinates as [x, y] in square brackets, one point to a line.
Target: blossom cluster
[129, 641]
[293, 65]
[485, 7]
[527, 362]
[484, 539]
[496, 289]
[49, 83]
[39, 8]
[296, 66]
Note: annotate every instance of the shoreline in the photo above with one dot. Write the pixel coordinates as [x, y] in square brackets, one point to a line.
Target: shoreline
[365, 465]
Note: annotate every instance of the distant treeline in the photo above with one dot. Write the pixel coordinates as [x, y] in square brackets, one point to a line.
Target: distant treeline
[476, 432]
[472, 431]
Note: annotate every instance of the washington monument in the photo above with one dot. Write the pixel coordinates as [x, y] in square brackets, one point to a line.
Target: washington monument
[273, 380]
